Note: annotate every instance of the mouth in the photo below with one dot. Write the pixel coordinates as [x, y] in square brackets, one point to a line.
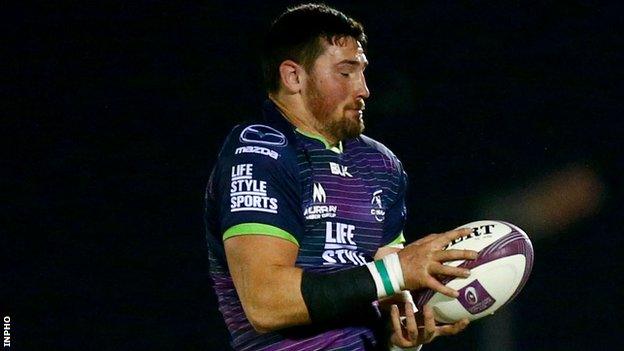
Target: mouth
[358, 112]
[357, 116]
[359, 108]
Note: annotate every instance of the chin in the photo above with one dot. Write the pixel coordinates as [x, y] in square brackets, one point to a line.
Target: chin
[353, 128]
[347, 127]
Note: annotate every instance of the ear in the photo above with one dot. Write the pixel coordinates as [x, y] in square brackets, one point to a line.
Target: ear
[291, 75]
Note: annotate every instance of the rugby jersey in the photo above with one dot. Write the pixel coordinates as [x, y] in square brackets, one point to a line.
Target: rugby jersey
[339, 205]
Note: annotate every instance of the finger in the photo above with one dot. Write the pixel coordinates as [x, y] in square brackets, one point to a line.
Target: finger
[400, 341]
[433, 284]
[396, 319]
[426, 239]
[451, 235]
[438, 268]
[430, 326]
[397, 335]
[412, 327]
[386, 303]
[464, 323]
[452, 255]
[452, 329]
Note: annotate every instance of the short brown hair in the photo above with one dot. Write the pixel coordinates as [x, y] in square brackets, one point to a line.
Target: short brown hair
[297, 35]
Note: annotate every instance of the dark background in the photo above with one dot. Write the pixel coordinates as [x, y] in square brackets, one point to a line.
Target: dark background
[115, 114]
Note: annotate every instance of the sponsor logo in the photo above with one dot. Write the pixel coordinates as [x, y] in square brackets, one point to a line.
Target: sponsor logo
[261, 134]
[340, 170]
[377, 210]
[318, 193]
[249, 194]
[484, 230]
[318, 210]
[340, 246]
[471, 295]
[474, 298]
[257, 150]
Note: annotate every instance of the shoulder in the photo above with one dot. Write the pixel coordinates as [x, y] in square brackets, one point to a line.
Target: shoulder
[374, 147]
[260, 142]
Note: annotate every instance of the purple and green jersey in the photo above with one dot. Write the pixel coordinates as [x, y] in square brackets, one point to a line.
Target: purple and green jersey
[339, 205]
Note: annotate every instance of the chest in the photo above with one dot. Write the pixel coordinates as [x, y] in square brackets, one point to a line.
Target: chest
[344, 200]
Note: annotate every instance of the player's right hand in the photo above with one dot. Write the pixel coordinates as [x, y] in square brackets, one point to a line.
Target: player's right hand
[408, 332]
[422, 260]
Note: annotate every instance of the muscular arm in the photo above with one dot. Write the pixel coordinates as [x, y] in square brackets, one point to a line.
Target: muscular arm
[267, 281]
[269, 285]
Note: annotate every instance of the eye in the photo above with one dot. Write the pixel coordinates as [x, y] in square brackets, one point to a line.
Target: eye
[344, 74]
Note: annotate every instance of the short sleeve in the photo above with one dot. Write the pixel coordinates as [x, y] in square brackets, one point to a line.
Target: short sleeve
[396, 213]
[257, 191]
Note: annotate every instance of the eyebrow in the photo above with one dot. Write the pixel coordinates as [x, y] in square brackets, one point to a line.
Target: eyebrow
[352, 63]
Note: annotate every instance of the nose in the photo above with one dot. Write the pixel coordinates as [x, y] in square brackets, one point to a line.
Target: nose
[362, 88]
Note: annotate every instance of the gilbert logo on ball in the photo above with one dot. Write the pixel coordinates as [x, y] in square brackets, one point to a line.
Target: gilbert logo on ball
[497, 275]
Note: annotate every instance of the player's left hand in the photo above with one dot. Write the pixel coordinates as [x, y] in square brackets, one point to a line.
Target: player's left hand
[407, 333]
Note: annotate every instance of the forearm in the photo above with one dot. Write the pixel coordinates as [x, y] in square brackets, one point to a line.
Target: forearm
[290, 297]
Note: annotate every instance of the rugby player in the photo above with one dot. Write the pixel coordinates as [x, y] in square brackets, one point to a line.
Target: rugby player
[305, 214]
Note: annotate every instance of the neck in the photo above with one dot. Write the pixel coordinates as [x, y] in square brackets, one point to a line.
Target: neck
[293, 109]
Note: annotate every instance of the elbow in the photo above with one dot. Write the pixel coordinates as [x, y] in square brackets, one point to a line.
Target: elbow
[261, 320]
[255, 305]
[261, 325]
[265, 315]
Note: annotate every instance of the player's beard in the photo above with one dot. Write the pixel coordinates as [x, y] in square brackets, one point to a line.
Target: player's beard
[332, 121]
[345, 127]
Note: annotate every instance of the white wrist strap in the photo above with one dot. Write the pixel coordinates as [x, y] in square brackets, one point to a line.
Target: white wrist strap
[387, 274]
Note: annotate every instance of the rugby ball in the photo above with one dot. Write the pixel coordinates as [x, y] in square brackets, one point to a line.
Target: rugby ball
[497, 275]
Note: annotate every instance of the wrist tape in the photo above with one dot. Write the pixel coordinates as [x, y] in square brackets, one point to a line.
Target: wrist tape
[347, 295]
[339, 297]
[387, 274]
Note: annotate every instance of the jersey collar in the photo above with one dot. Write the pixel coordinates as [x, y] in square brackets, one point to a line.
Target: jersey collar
[337, 149]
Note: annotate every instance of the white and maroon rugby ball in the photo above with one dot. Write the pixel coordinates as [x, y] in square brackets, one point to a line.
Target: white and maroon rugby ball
[497, 275]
